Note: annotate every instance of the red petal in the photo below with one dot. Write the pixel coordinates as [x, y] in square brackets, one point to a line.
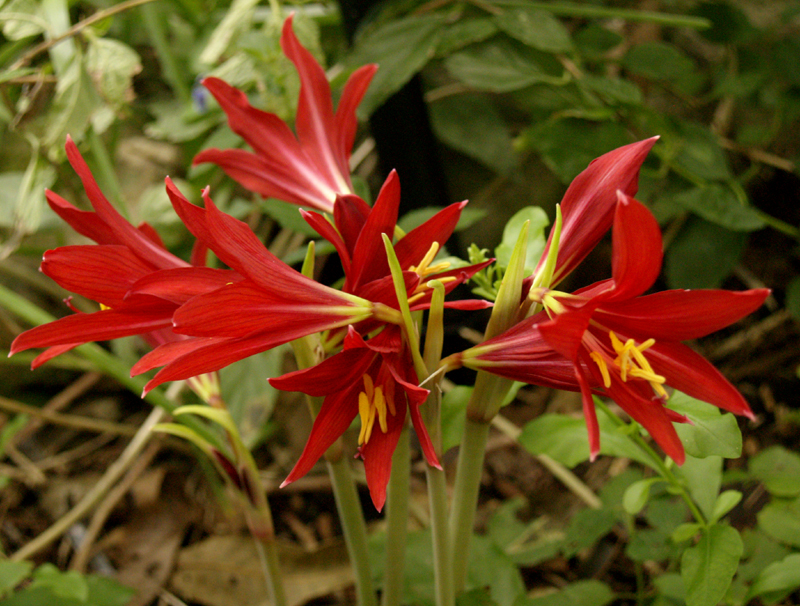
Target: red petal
[324, 228]
[315, 123]
[180, 285]
[337, 412]
[346, 122]
[377, 454]
[334, 374]
[412, 247]
[564, 333]
[588, 205]
[679, 315]
[50, 353]
[689, 372]
[98, 326]
[124, 232]
[369, 255]
[589, 413]
[350, 214]
[637, 249]
[103, 273]
[84, 222]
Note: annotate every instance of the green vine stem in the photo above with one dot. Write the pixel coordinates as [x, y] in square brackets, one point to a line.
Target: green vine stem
[397, 521]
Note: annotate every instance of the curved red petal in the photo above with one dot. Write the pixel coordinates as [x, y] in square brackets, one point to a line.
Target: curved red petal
[334, 374]
[181, 284]
[679, 315]
[415, 244]
[346, 121]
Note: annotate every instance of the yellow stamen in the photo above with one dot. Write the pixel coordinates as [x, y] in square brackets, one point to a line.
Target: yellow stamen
[601, 364]
[425, 268]
[631, 362]
[373, 404]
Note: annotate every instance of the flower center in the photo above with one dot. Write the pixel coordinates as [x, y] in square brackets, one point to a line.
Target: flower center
[425, 269]
[630, 362]
[373, 404]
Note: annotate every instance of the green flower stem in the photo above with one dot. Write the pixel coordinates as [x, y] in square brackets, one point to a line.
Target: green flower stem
[355, 529]
[397, 521]
[103, 361]
[658, 463]
[575, 9]
[345, 493]
[465, 496]
[437, 496]
[169, 64]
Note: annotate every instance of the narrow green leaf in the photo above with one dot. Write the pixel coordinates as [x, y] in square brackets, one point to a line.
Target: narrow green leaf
[708, 568]
[684, 532]
[236, 21]
[581, 593]
[463, 33]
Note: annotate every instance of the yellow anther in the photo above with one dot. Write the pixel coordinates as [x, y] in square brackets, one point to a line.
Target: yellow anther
[601, 364]
[104, 307]
[373, 404]
[425, 268]
[632, 362]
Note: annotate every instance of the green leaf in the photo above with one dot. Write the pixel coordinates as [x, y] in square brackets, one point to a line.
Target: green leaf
[536, 238]
[637, 495]
[565, 440]
[594, 40]
[613, 91]
[717, 203]
[501, 65]
[703, 478]
[489, 566]
[236, 21]
[581, 593]
[401, 47]
[777, 580]
[725, 502]
[711, 432]
[684, 532]
[699, 154]
[31, 23]
[248, 394]
[472, 125]
[708, 568]
[415, 218]
[718, 248]
[778, 469]
[287, 215]
[585, 528]
[567, 146]
[658, 61]
[12, 574]
[463, 33]
[475, 597]
[112, 66]
[793, 297]
[650, 545]
[536, 28]
[68, 585]
[781, 521]
[729, 23]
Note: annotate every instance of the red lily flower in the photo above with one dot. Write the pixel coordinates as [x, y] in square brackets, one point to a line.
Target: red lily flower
[621, 344]
[310, 169]
[589, 202]
[271, 305]
[375, 380]
[356, 234]
[111, 272]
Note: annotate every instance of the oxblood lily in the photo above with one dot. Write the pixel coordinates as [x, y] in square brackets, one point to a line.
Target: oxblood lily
[589, 202]
[110, 273]
[623, 345]
[310, 169]
[273, 304]
[356, 233]
[375, 380]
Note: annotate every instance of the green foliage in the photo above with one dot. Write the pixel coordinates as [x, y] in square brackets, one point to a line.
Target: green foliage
[708, 567]
[48, 585]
